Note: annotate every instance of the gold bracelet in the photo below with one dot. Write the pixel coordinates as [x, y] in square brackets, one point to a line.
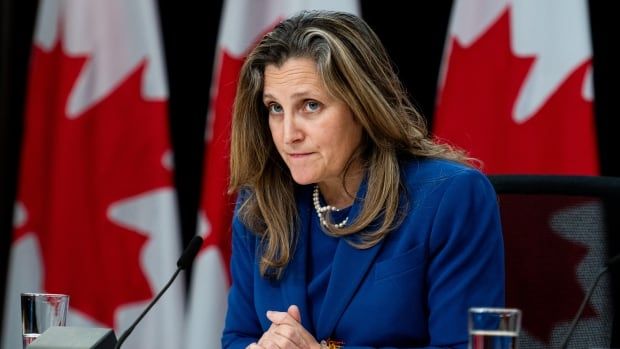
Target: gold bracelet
[331, 344]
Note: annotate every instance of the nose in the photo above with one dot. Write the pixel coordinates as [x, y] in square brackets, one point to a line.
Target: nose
[292, 131]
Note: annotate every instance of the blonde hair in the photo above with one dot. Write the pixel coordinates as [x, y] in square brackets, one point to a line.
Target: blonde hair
[355, 67]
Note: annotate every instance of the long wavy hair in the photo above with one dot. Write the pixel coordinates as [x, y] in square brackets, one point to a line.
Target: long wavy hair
[355, 68]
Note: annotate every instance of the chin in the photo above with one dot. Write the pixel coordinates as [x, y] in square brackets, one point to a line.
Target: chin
[303, 180]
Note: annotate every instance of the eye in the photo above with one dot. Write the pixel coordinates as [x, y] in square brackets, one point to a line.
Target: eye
[274, 108]
[312, 106]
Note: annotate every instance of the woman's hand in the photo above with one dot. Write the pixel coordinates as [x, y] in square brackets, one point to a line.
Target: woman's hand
[286, 332]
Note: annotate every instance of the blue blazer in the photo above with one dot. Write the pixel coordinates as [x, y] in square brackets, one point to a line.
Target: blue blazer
[411, 290]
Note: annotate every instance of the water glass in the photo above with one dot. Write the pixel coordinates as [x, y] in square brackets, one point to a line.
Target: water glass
[494, 328]
[41, 311]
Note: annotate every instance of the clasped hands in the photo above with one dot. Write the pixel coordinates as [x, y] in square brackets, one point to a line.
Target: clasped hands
[285, 332]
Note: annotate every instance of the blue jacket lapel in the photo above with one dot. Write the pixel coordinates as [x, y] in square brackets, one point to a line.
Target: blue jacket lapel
[349, 268]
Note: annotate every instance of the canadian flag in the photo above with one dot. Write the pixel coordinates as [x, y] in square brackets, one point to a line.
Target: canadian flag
[96, 216]
[516, 87]
[243, 23]
[516, 92]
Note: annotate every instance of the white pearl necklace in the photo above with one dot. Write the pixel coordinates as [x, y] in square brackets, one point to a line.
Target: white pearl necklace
[320, 210]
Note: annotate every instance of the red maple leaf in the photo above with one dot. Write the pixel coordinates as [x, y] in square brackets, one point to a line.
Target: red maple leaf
[476, 103]
[541, 266]
[73, 169]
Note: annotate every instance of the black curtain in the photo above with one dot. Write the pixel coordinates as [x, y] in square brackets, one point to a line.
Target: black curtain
[413, 33]
[16, 27]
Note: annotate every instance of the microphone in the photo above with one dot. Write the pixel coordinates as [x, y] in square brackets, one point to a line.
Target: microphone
[182, 263]
[611, 262]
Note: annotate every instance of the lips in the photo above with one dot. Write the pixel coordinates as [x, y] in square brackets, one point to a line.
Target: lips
[298, 155]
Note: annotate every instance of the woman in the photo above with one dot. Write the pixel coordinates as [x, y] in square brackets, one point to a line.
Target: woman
[353, 227]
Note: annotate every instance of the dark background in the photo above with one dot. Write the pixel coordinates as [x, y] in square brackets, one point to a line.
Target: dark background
[413, 32]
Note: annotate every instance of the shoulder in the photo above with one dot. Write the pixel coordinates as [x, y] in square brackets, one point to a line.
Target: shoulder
[436, 170]
[441, 180]
[453, 201]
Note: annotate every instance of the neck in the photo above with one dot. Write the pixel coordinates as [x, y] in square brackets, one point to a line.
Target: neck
[339, 196]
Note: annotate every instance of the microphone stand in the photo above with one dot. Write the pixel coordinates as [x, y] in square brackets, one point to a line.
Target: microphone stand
[186, 258]
[609, 263]
[127, 332]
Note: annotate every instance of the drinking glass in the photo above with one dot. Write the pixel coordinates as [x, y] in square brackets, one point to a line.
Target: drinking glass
[40, 311]
[494, 328]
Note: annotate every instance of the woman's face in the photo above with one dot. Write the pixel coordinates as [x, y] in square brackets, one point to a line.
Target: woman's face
[315, 133]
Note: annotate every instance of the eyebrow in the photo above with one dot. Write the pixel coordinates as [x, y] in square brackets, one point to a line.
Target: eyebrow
[294, 95]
